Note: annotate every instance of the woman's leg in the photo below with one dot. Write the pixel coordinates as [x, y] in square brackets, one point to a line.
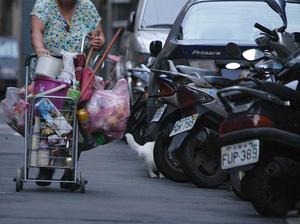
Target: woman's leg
[69, 176]
[44, 174]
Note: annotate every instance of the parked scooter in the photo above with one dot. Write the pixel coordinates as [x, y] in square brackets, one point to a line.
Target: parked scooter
[260, 137]
[160, 124]
[194, 138]
[138, 81]
[166, 155]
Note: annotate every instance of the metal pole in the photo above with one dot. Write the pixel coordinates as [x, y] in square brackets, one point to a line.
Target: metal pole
[25, 43]
[109, 20]
[20, 40]
[1, 18]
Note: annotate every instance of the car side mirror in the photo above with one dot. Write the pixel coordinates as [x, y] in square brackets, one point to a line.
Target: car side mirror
[279, 7]
[131, 19]
[233, 50]
[155, 48]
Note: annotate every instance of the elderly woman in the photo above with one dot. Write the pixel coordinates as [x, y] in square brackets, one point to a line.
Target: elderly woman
[60, 25]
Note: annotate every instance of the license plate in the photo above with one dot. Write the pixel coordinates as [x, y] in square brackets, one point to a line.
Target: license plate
[184, 124]
[159, 113]
[240, 154]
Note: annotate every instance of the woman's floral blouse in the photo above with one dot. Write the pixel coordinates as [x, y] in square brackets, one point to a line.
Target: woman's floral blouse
[61, 35]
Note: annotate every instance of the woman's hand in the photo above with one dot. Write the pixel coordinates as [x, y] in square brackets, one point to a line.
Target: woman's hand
[40, 51]
[96, 42]
[97, 38]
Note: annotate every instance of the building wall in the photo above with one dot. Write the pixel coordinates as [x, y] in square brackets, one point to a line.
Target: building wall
[9, 18]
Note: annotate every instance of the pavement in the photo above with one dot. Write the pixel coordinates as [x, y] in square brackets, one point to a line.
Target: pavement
[118, 191]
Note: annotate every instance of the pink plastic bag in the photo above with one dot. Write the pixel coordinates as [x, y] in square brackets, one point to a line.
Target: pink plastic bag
[14, 107]
[109, 110]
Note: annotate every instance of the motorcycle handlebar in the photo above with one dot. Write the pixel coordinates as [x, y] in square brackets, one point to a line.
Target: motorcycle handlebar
[265, 30]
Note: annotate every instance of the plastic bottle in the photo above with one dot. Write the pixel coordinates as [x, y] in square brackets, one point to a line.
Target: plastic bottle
[43, 155]
[35, 141]
[69, 162]
[75, 92]
[83, 118]
[100, 139]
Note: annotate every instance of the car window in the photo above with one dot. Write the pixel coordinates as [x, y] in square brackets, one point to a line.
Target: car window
[222, 22]
[161, 13]
[8, 49]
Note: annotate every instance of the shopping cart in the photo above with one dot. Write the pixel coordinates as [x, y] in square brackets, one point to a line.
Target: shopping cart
[51, 132]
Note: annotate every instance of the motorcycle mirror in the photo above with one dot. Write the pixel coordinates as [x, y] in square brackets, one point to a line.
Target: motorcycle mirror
[297, 37]
[233, 66]
[155, 48]
[130, 23]
[233, 50]
[253, 54]
[279, 7]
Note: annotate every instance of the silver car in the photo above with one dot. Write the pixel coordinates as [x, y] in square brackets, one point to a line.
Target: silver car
[151, 20]
[9, 62]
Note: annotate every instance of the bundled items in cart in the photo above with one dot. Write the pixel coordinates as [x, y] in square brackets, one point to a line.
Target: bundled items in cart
[53, 117]
[101, 118]
[102, 114]
[52, 135]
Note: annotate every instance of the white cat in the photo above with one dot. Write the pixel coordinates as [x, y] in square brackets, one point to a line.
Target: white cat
[146, 153]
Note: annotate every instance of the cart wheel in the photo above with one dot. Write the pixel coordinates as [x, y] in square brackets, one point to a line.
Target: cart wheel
[82, 183]
[19, 183]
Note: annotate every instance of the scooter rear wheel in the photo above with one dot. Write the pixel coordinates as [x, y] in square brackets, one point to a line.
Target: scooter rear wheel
[169, 167]
[201, 164]
[269, 196]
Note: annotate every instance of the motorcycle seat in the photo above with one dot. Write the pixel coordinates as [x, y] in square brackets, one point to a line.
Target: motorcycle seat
[283, 92]
[189, 70]
[218, 81]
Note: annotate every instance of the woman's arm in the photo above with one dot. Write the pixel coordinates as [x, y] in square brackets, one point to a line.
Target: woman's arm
[97, 38]
[37, 36]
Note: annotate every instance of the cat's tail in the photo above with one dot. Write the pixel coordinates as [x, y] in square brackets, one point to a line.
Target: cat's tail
[132, 143]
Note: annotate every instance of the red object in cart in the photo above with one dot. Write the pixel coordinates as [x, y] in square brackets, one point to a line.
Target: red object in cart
[88, 76]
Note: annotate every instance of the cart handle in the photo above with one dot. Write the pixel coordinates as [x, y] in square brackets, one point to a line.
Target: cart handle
[29, 58]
